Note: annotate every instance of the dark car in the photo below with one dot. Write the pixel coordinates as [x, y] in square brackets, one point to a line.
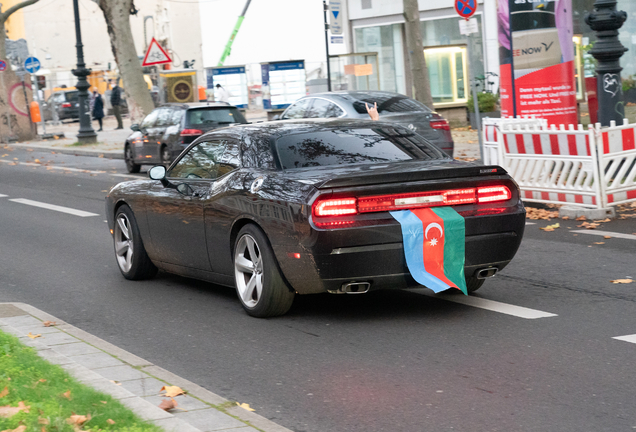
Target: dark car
[170, 128]
[299, 207]
[392, 107]
[66, 104]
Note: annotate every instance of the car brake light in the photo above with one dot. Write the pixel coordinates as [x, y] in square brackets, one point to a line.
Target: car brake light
[191, 132]
[66, 105]
[335, 207]
[493, 194]
[416, 200]
[441, 124]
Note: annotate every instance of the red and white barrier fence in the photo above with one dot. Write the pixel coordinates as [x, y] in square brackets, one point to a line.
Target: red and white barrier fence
[491, 132]
[617, 159]
[552, 165]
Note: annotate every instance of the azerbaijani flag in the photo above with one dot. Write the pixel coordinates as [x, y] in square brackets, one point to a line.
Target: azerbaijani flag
[434, 246]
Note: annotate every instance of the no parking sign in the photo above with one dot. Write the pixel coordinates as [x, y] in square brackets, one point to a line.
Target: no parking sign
[466, 8]
[3, 65]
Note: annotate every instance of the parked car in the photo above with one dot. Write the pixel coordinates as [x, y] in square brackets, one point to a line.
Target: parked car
[392, 107]
[65, 102]
[170, 128]
[298, 207]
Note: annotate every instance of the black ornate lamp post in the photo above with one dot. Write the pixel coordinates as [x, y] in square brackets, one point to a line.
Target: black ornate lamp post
[86, 133]
[605, 21]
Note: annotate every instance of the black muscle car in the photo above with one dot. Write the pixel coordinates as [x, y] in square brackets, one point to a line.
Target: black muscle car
[302, 206]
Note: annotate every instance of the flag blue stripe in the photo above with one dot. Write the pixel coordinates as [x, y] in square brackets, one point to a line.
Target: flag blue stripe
[413, 239]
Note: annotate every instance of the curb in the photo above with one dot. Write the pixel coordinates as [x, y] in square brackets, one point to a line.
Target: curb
[109, 154]
[123, 375]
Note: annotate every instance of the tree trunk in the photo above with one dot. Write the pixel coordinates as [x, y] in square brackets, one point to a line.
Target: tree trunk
[415, 48]
[16, 95]
[117, 15]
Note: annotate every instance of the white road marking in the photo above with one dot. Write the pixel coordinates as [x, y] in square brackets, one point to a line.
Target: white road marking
[606, 233]
[3, 196]
[80, 170]
[531, 223]
[490, 305]
[628, 338]
[61, 209]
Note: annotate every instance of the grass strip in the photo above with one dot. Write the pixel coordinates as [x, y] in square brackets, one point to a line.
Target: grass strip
[53, 396]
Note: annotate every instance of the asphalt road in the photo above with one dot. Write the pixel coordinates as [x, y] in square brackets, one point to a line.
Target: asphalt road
[386, 361]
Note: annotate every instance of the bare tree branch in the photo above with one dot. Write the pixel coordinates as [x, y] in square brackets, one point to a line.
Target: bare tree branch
[5, 15]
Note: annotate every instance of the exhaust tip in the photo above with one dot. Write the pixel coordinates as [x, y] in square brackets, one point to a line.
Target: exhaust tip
[487, 272]
[352, 288]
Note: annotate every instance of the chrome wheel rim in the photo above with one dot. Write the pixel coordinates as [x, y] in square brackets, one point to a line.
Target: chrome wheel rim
[123, 242]
[129, 158]
[248, 271]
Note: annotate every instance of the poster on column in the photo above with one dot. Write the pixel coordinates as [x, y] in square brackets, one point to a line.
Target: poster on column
[536, 53]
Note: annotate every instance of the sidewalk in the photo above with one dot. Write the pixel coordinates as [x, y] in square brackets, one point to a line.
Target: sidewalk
[134, 381]
[111, 142]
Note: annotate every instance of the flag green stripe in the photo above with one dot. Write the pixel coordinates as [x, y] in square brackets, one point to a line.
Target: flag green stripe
[454, 245]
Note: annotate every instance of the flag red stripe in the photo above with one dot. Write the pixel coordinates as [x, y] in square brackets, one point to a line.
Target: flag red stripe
[433, 255]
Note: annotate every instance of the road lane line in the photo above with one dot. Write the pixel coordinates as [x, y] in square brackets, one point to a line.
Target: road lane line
[628, 338]
[606, 233]
[531, 223]
[3, 196]
[491, 305]
[79, 170]
[61, 209]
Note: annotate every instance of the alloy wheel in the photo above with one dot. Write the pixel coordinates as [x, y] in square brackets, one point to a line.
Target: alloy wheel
[248, 268]
[123, 242]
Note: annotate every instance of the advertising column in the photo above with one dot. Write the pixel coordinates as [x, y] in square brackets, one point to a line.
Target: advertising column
[536, 54]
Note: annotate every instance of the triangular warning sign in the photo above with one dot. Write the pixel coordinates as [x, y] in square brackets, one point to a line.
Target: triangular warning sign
[335, 13]
[155, 55]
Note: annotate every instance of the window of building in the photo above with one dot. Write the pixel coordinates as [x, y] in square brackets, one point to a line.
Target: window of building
[447, 71]
[387, 42]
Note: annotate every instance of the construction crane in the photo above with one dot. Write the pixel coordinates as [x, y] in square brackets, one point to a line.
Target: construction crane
[228, 46]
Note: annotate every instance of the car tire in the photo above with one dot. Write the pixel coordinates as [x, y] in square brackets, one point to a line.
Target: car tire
[473, 284]
[131, 256]
[131, 166]
[165, 155]
[260, 286]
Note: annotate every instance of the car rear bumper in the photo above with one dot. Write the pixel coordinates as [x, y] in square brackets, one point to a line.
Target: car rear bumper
[375, 254]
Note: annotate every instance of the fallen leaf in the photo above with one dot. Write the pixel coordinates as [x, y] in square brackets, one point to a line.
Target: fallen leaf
[9, 411]
[32, 336]
[67, 394]
[604, 220]
[42, 380]
[172, 391]
[599, 242]
[43, 421]
[4, 392]
[607, 237]
[115, 382]
[588, 225]
[622, 281]
[551, 227]
[104, 402]
[581, 218]
[20, 428]
[110, 421]
[78, 420]
[168, 404]
[542, 214]
[49, 323]
[566, 218]
[245, 406]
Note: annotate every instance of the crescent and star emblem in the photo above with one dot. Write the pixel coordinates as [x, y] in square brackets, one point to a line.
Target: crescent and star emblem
[430, 226]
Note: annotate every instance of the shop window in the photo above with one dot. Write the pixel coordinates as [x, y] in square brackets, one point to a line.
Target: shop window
[447, 71]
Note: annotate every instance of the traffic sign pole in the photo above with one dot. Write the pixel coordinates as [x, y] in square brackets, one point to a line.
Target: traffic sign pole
[325, 9]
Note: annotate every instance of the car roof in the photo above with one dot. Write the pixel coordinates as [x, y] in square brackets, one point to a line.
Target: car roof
[193, 105]
[358, 94]
[279, 128]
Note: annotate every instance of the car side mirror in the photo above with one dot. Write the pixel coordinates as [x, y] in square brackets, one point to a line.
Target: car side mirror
[135, 127]
[158, 172]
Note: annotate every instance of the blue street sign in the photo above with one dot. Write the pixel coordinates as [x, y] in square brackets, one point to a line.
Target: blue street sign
[3, 65]
[465, 8]
[32, 65]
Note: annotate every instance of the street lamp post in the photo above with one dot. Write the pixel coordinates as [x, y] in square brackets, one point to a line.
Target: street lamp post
[86, 133]
[605, 21]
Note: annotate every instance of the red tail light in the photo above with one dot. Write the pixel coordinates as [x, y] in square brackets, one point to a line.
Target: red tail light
[191, 132]
[440, 124]
[335, 207]
[66, 105]
[493, 194]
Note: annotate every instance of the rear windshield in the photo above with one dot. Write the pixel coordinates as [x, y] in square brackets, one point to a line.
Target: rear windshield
[214, 116]
[71, 96]
[353, 146]
[391, 103]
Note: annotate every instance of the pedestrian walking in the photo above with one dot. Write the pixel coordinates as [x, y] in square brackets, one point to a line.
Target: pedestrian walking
[224, 95]
[115, 101]
[98, 109]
